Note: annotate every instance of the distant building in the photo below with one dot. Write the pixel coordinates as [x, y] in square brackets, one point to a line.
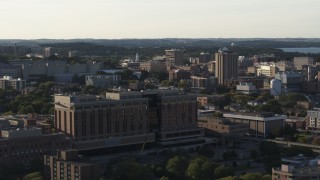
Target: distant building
[208, 82]
[252, 70]
[297, 168]
[267, 70]
[59, 69]
[136, 86]
[285, 65]
[275, 87]
[223, 127]
[19, 133]
[48, 51]
[102, 80]
[291, 81]
[204, 100]
[246, 88]
[179, 74]
[211, 67]
[244, 62]
[296, 122]
[73, 54]
[23, 146]
[8, 81]
[313, 118]
[204, 57]
[153, 66]
[10, 70]
[226, 65]
[298, 62]
[257, 81]
[260, 124]
[174, 57]
[311, 87]
[67, 164]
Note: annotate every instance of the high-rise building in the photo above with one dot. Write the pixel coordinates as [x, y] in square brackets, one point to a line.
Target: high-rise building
[48, 51]
[8, 81]
[204, 57]
[174, 57]
[226, 65]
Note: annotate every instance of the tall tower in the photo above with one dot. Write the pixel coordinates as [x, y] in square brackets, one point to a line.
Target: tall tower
[137, 57]
[174, 57]
[226, 65]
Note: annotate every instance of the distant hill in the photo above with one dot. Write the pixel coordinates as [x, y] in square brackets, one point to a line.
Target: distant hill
[177, 43]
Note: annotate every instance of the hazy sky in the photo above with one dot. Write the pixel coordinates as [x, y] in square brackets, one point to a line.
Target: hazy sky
[113, 19]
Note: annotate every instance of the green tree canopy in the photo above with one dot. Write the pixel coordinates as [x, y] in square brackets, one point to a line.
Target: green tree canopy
[130, 169]
[223, 171]
[199, 168]
[177, 166]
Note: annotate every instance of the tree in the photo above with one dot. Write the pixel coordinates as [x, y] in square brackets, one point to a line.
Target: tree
[302, 139]
[165, 83]
[223, 171]
[217, 114]
[132, 170]
[164, 178]
[277, 132]
[251, 176]
[33, 176]
[221, 89]
[177, 166]
[229, 178]
[199, 168]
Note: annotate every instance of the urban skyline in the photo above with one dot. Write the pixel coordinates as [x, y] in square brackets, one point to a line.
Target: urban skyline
[112, 19]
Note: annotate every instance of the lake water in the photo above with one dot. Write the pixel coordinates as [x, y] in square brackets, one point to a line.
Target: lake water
[312, 50]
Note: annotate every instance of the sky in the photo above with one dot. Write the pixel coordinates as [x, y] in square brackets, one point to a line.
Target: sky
[117, 19]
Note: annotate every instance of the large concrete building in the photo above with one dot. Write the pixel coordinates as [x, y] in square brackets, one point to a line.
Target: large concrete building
[100, 123]
[174, 57]
[260, 124]
[126, 118]
[34, 70]
[226, 65]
